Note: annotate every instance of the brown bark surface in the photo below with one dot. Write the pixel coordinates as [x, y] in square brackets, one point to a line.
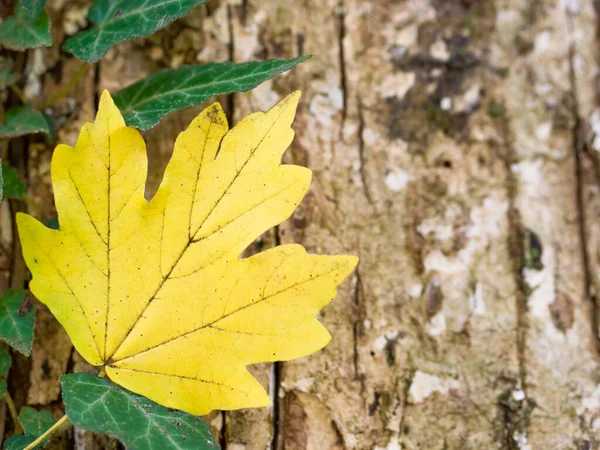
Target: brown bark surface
[454, 150]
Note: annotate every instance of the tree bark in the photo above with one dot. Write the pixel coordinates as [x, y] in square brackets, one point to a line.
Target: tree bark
[453, 148]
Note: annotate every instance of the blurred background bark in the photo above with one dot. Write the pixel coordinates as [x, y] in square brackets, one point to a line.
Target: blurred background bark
[454, 145]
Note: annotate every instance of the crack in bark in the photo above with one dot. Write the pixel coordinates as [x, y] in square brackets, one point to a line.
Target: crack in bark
[277, 422]
[231, 49]
[223, 431]
[361, 153]
[404, 400]
[515, 421]
[579, 151]
[342, 62]
[277, 369]
[356, 331]
[517, 251]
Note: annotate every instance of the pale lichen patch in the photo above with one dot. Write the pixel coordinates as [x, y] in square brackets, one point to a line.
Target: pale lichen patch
[424, 385]
[477, 301]
[397, 180]
[303, 384]
[393, 444]
[397, 84]
[437, 325]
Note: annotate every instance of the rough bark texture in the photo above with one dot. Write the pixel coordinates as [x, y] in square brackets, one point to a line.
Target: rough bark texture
[454, 145]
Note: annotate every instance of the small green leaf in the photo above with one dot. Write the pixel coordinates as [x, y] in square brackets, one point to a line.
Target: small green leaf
[120, 20]
[19, 442]
[52, 223]
[13, 187]
[1, 182]
[36, 423]
[22, 31]
[23, 120]
[16, 325]
[5, 362]
[3, 387]
[7, 76]
[33, 7]
[146, 102]
[103, 407]
[51, 127]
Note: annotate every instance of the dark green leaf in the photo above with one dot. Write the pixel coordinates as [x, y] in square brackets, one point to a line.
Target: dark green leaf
[101, 406]
[23, 31]
[13, 187]
[51, 127]
[36, 423]
[16, 323]
[146, 102]
[23, 120]
[52, 223]
[3, 387]
[33, 7]
[120, 20]
[5, 362]
[7, 76]
[19, 442]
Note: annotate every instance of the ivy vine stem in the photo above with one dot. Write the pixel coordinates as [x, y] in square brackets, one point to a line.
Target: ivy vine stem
[19, 93]
[64, 419]
[13, 412]
[70, 85]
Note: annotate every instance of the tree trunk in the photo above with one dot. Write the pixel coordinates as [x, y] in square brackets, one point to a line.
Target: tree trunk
[453, 148]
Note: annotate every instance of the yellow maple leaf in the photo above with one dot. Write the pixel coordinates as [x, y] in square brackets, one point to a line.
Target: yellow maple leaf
[154, 291]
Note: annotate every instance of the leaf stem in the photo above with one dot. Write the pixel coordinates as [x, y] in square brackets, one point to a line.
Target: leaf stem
[13, 412]
[19, 93]
[70, 85]
[64, 419]
[35, 209]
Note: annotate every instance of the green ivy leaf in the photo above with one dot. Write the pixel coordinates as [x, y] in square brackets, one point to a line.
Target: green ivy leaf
[16, 326]
[19, 442]
[120, 20]
[36, 422]
[52, 223]
[146, 102]
[23, 120]
[5, 362]
[33, 7]
[1, 181]
[13, 187]
[51, 127]
[23, 31]
[103, 407]
[7, 76]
